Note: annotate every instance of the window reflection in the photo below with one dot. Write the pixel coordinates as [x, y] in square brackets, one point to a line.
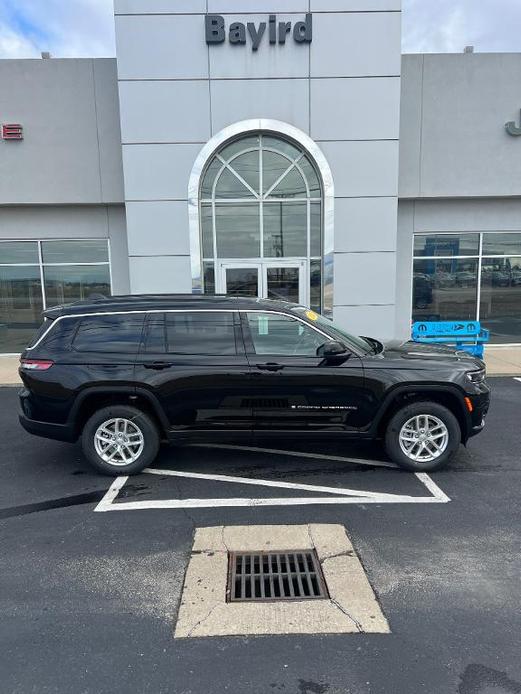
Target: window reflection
[67, 283]
[446, 244]
[500, 306]
[238, 230]
[445, 289]
[21, 305]
[72, 270]
[285, 230]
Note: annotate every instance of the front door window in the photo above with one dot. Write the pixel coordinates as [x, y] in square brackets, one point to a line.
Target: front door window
[278, 335]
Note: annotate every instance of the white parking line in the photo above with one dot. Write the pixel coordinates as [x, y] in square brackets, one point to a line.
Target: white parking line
[339, 495]
[517, 379]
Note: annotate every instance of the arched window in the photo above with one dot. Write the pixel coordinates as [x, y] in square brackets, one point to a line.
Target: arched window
[260, 210]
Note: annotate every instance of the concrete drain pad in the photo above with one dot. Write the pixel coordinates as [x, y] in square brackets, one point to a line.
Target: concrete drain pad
[349, 605]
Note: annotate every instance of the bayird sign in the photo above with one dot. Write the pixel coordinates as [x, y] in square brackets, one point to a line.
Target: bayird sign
[239, 33]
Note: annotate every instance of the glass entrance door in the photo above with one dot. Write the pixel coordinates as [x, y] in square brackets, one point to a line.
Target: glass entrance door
[268, 279]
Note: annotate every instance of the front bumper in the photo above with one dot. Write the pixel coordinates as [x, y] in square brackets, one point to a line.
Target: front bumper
[480, 407]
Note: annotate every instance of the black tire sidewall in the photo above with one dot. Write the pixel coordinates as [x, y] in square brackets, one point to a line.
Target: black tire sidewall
[392, 443]
[142, 420]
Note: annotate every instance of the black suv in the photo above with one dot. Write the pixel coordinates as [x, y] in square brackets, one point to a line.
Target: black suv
[126, 373]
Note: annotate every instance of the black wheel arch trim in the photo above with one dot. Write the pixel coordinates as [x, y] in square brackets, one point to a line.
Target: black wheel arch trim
[131, 392]
[422, 389]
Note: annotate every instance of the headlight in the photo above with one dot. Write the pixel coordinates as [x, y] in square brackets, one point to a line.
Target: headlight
[476, 376]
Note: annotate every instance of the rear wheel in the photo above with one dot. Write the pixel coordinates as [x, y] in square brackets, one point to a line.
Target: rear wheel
[422, 437]
[120, 440]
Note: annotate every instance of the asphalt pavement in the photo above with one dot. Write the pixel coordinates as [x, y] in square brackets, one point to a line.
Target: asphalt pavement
[88, 600]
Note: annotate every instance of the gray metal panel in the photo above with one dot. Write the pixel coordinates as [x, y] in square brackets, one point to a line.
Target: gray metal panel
[161, 47]
[109, 131]
[368, 278]
[411, 125]
[264, 6]
[158, 228]
[159, 6]
[161, 275]
[158, 172]
[466, 150]
[118, 249]
[53, 221]
[467, 215]
[363, 168]
[241, 62]
[373, 321]
[58, 161]
[286, 100]
[354, 5]
[176, 111]
[365, 224]
[356, 44]
[404, 269]
[364, 109]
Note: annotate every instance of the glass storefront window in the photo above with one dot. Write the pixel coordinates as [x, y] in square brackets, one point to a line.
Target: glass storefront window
[238, 230]
[500, 303]
[501, 244]
[21, 306]
[16, 252]
[448, 285]
[67, 283]
[72, 270]
[283, 224]
[445, 289]
[446, 245]
[75, 252]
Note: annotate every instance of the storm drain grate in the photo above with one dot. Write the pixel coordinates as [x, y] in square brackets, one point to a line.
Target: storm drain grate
[256, 576]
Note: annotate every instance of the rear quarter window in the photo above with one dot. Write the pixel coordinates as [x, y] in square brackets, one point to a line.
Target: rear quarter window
[119, 333]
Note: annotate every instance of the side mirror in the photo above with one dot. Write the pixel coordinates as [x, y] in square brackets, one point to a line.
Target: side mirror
[333, 351]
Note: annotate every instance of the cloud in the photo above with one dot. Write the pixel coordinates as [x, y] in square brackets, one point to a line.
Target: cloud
[447, 26]
[85, 28]
[66, 28]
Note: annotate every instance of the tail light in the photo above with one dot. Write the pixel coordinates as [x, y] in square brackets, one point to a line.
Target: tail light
[36, 364]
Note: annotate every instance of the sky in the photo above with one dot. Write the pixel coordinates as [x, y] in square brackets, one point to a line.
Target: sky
[85, 28]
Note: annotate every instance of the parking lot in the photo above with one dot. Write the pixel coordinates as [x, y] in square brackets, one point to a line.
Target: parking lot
[93, 569]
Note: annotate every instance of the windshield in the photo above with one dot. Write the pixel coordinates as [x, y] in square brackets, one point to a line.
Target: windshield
[356, 343]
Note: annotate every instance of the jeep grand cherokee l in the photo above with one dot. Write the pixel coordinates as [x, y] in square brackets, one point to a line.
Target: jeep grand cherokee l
[125, 373]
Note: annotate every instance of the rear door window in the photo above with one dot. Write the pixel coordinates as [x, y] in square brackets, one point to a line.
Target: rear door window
[199, 332]
[116, 333]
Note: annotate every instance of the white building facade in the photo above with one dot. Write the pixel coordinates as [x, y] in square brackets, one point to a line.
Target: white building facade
[283, 150]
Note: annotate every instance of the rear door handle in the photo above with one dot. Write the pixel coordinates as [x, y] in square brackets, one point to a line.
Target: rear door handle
[158, 365]
[270, 366]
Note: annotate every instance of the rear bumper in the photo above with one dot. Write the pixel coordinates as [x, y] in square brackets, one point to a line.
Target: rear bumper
[58, 432]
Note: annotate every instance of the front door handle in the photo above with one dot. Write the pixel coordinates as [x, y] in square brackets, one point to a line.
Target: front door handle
[270, 366]
[158, 365]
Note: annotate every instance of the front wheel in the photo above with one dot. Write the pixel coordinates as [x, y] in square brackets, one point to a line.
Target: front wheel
[120, 440]
[422, 437]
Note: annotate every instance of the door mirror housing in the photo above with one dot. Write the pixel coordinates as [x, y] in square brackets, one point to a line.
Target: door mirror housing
[333, 351]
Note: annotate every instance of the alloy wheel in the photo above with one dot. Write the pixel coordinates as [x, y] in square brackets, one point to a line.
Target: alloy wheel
[423, 438]
[119, 441]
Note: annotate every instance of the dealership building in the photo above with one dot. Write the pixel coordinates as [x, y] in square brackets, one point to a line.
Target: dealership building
[274, 148]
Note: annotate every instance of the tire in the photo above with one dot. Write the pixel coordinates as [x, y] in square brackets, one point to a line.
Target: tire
[139, 446]
[445, 433]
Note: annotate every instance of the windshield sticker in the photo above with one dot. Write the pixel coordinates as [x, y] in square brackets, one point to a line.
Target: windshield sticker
[311, 315]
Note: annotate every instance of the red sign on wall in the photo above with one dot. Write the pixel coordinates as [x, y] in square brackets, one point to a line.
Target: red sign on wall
[12, 131]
